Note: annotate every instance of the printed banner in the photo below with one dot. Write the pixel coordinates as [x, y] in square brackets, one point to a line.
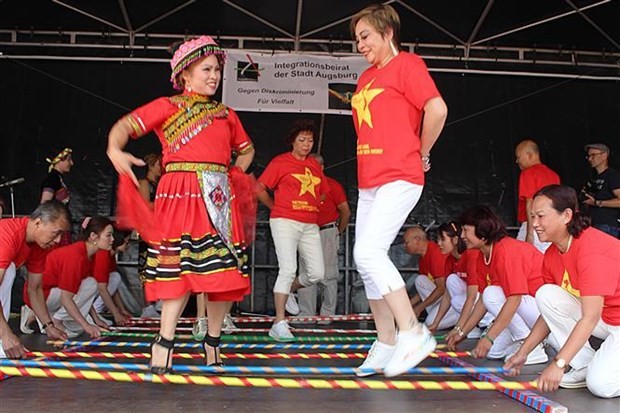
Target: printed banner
[265, 82]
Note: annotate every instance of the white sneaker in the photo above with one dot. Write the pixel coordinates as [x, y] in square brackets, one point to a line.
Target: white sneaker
[536, 356]
[411, 348]
[24, 327]
[228, 325]
[475, 333]
[291, 306]
[377, 358]
[281, 332]
[574, 379]
[199, 331]
[150, 312]
[2, 353]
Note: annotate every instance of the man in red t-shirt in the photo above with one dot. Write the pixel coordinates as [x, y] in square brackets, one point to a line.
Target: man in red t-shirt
[534, 176]
[431, 283]
[334, 215]
[22, 241]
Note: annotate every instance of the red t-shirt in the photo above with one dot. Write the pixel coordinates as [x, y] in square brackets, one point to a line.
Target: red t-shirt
[14, 249]
[464, 267]
[530, 181]
[297, 185]
[103, 265]
[328, 210]
[212, 139]
[516, 266]
[66, 267]
[388, 107]
[590, 267]
[433, 263]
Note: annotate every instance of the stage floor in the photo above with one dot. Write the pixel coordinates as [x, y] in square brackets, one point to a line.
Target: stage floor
[23, 394]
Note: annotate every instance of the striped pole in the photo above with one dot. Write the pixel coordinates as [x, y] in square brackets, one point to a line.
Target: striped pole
[266, 382]
[279, 346]
[256, 339]
[254, 330]
[247, 356]
[529, 398]
[267, 319]
[280, 370]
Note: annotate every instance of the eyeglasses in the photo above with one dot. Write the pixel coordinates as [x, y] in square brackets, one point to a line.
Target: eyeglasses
[593, 154]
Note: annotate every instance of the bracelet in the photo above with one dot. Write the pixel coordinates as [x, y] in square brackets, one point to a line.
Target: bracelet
[426, 159]
[488, 338]
[49, 323]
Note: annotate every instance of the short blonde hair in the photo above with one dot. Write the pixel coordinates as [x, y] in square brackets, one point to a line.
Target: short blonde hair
[381, 17]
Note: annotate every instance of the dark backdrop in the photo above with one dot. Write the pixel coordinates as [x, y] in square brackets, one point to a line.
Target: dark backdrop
[55, 104]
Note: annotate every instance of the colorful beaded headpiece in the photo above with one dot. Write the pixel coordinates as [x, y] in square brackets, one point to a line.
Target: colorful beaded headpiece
[189, 52]
[60, 157]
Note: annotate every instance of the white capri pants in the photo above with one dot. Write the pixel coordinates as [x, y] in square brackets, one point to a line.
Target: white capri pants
[306, 297]
[289, 238]
[562, 311]
[5, 290]
[83, 299]
[519, 327]
[425, 287]
[113, 284]
[381, 212]
[457, 289]
[540, 246]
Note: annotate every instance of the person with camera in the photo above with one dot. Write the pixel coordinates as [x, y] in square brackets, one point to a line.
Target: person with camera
[602, 193]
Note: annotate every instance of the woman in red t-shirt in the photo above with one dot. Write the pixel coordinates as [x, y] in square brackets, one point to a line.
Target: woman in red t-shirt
[109, 279]
[299, 187]
[398, 115]
[508, 273]
[461, 286]
[68, 286]
[581, 298]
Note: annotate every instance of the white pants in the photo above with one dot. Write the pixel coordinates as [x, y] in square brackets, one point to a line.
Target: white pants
[5, 290]
[306, 297]
[457, 289]
[113, 283]
[83, 299]
[540, 246]
[425, 287]
[381, 212]
[519, 327]
[562, 311]
[289, 238]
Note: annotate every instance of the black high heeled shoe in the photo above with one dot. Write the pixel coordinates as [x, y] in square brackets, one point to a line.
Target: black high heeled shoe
[214, 343]
[167, 344]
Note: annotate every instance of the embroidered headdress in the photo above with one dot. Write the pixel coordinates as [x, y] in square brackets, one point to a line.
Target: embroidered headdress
[191, 51]
[60, 157]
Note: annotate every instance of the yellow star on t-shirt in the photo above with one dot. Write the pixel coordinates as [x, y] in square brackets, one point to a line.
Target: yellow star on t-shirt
[361, 103]
[308, 182]
[566, 284]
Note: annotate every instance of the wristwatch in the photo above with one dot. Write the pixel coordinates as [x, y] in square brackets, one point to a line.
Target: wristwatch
[560, 363]
[598, 202]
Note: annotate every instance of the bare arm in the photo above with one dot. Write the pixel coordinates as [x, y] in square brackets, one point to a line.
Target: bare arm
[344, 216]
[10, 343]
[505, 315]
[46, 196]
[529, 236]
[244, 160]
[468, 306]
[444, 306]
[117, 140]
[102, 289]
[437, 293]
[435, 114]
[143, 188]
[264, 198]
[39, 306]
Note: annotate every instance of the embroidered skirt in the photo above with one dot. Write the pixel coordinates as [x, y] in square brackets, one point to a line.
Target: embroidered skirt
[199, 250]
